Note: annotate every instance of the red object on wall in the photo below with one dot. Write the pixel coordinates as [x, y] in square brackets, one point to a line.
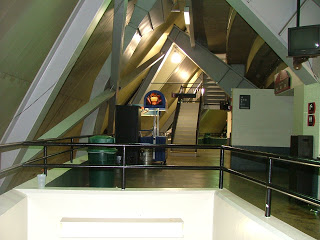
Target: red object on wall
[311, 120]
[282, 82]
[311, 108]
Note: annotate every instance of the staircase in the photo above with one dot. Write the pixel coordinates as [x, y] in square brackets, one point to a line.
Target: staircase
[186, 128]
[213, 94]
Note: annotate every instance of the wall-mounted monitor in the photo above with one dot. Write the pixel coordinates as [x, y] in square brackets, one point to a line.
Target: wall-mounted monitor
[304, 41]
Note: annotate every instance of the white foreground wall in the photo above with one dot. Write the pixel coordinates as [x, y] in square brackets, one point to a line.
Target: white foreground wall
[13, 216]
[187, 214]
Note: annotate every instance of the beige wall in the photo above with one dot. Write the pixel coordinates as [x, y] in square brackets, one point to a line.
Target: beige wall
[303, 95]
[268, 122]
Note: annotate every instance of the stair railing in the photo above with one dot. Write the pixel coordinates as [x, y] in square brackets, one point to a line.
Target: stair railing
[199, 115]
[175, 120]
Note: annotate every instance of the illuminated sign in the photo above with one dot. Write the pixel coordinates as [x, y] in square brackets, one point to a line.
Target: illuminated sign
[154, 99]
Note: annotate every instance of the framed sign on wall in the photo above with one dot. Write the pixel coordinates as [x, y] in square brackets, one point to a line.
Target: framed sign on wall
[244, 102]
[311, 108]
[311, 120]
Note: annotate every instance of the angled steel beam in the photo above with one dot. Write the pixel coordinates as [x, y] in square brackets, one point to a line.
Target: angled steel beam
[119, 20]
[139, 70]
[272, 27]
[52, 74]
[152, 73]
[190, 27]
[65, 125]
[317, 2]
[131, 37]
[225, 76]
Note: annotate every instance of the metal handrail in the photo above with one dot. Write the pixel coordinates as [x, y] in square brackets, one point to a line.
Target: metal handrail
[14, 145]
[267, 156]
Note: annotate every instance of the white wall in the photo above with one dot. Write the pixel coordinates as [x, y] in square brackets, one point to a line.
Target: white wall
[236, 219]
[193, 207]
[13, 216]
[268, 122]
[206, 214]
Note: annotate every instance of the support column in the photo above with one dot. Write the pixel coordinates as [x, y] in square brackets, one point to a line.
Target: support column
[119, 20]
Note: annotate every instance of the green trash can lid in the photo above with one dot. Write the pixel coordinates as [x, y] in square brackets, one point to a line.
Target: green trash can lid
[102, 139]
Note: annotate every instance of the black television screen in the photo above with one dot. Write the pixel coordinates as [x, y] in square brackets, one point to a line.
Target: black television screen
[304, 41]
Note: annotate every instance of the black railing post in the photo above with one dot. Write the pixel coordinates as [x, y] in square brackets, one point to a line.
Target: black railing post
[268, 194]
[175, 119]
[298, 14]
[221, 167]
[198, 121]
[45, 159]
[71, 153]
[123, 183]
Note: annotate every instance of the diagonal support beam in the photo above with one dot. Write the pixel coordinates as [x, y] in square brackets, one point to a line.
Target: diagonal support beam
[61, 128]
[317, 2]
[139, 70]
[191, 26]
[52, 74]
[271, 20]
[131, 37]
[119, 20]
[226, 77]
[152, 73]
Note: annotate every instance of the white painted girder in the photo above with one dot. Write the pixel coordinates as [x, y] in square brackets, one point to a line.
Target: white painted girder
[119, 20]
[69, 122]
[222, 73]
[271, 20]
[226, 77]
[52, 75]
[139, 70]
[142, 7]
[152, 73]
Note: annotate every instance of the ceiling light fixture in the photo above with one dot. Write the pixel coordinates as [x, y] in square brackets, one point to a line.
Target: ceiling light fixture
[176, 57]
[184, 75]
[186, 13]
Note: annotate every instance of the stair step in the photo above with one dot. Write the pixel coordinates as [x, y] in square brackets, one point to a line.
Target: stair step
[211, 106]
[185, 132]
[214, 96]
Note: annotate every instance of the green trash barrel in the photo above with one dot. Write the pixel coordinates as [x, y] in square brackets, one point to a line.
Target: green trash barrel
[101, 156]
[206, 138]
